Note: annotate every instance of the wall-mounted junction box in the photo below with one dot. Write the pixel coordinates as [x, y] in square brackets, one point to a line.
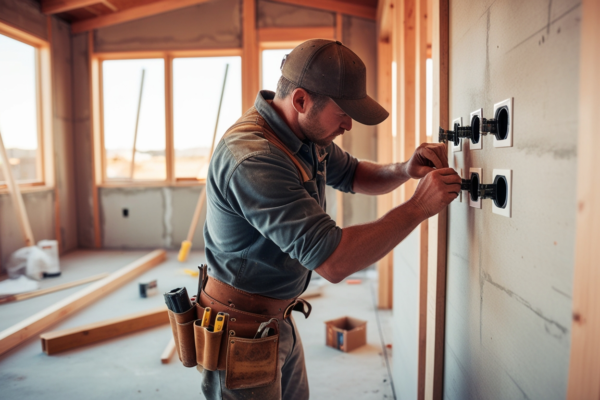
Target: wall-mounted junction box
[478, 172]
[502, 205]
[503, 114]
[457, 147]
[476, 137]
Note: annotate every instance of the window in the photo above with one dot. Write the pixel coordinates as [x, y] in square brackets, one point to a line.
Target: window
[159, 113]
[134, 119]
[20, 110]
[271, 64]
[197, 86]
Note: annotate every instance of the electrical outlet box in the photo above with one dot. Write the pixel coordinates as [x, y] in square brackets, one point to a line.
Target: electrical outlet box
[476, 137]
[479, 172]
[502, 205]
[503, 114]
[458, 147]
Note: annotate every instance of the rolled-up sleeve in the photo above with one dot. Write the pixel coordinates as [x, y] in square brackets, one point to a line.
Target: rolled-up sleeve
[266, 191]
[340, 169]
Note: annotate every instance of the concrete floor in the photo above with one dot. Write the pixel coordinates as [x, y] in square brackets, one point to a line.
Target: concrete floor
[129, 366]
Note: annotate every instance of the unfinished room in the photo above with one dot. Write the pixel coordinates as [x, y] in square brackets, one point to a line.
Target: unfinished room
[423, 228]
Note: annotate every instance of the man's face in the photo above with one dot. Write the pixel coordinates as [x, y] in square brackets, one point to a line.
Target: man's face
[321, 127]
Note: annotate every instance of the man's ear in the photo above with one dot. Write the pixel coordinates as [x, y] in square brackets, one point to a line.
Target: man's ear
[299, 100]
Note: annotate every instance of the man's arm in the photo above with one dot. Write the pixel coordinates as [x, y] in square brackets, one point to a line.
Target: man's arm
[363, 245]
[375, 179]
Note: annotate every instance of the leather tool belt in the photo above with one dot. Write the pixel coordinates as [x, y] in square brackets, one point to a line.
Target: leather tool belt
[248, 361]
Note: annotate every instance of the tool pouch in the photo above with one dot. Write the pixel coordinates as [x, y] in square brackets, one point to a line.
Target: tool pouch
[182, 325]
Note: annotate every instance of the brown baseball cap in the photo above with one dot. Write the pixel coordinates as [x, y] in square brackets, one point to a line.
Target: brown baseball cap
[331, 69]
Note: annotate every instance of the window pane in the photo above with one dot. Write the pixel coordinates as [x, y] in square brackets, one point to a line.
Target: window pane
[122, 81]
[197, 85]
[271, 64]
[18, 108]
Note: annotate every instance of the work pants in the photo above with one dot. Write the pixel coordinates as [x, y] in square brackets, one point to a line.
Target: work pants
[291, 382]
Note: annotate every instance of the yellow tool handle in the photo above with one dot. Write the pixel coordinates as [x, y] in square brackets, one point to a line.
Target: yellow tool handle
[219, 322]
[206, 317]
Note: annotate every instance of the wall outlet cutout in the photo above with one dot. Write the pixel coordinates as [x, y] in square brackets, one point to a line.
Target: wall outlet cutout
[476, 137]
[457, 147]
[503, 203]
[503, 114]
[479, 174]
[125, 212]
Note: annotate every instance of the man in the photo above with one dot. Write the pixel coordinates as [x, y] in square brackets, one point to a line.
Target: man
[266, 226]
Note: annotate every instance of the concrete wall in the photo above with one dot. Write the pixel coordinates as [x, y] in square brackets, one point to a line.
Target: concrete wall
[40, 206]
[160, 217]
[508, 310]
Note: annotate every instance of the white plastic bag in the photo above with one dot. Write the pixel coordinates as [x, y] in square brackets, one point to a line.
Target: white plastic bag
[31, 261]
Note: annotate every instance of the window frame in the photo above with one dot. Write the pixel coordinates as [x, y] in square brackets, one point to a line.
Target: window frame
[96, 60]
[45, 161]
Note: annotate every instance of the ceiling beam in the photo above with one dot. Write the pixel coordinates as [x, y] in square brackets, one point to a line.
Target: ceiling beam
[60, 6]
[295, 34]
[131, 14]
[336, 6]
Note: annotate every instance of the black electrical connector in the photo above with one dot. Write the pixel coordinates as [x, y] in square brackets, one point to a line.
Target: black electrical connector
[455, 135]
[497, 191]
[497, 126]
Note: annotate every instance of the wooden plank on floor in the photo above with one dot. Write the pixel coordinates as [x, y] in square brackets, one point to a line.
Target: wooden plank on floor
[67, 339]
[584, 368]
[19, 333]
[168, 352]
[436, 270]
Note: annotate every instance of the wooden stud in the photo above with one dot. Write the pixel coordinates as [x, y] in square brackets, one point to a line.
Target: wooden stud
[169, 122]
[343, 7]
[250, 56]
[436, 270]
[584, 368]
[421, 134]
[406, 89]
[97, 141]
[385, 155]
[28, 295]
[295, 34]
[168, 352]
[384, 19]
[19, 333]
[60, 6]
[68, 339]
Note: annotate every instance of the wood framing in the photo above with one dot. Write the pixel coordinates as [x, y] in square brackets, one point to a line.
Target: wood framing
[384, 19]
[436, 270]
[68, 339]
[406, 89]
[295, 34]
[19, 333]
[250, 55]
[97, 141]
[421, 25]
[131, 14]
[59, 6]
[385, 266]
[342, 7]
[584, 368]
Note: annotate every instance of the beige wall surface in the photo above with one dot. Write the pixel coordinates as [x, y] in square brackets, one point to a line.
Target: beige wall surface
[26, 15]
[509, 280]
[212, 25]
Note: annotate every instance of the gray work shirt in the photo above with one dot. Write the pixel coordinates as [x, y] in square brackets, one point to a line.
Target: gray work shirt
[265, 229]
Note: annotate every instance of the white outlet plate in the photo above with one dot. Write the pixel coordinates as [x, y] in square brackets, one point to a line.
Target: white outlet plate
[506, 211]
[478, 171]
[508, 142]
[477, 113]
[459, 147]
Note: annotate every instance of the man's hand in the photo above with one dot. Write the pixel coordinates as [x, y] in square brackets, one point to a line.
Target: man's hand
[425, 158]
[436, 190]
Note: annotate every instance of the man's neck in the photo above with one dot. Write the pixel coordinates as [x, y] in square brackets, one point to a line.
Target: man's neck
[286, 112]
